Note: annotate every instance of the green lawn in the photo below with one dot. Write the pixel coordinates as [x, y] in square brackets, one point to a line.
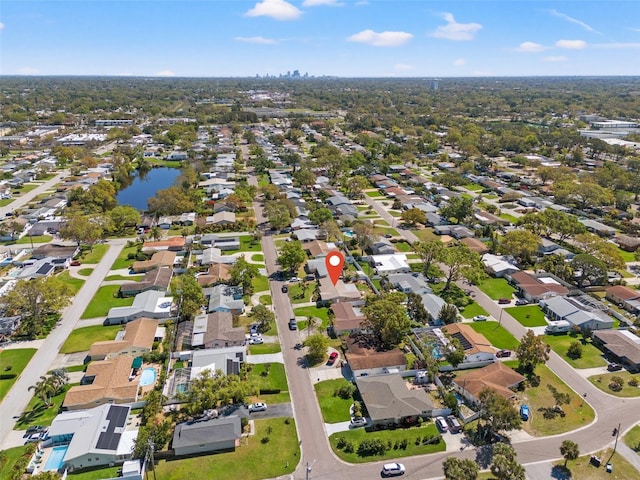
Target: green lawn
[264, 348]
[260, 283]
[95, 474]
[627, 256]
[75, 283]
[247, 244]
[104, 299]
[511, 218]
[11, 456]
[122, 261]
[295, 292]
[322, 313]
[85, 272]
[94, 255]
[12, 364]
[37, 413]
[81, 339]
[578, 412]
[403, 247]
[472, 310]
[259, 458]
[496, 334]
[357, 435]
[257, 257]
[28, 239]
[425, 234]
[334, 409]
[265, 300]
[602, 382]
[528, 315]
[632, 438]
[374, 194]
[496, 288]
[474, 187]
[271, 378]
[126, 278]
[581, 468]
[591, 356]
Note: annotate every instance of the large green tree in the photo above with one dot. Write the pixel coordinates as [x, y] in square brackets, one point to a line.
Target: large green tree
[569, 450]
[429, 253]
[461, 262]
[522, 244]
[504, 465]
[123, 218]
[387, 317]
[317, 345]
[497, 412]
[532, 351]
[458, 208]
[243, 273]
[589, 268]
[82, 229]
[460, 469]
[188, 292]
[278, 214]
[291, 256]
[171, 201]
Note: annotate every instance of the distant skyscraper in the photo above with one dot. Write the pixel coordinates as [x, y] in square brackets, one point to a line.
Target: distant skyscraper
[433, 85]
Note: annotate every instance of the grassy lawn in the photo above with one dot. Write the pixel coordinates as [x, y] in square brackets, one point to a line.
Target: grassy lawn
[496, 288]
[602, 382]
[591, 356]
[37, 413]
[295, 292]
[75, 283]
[425, 234]
[257, 257]
[247, 244]
[104, 299]
[11, 456]
[126, 278]
[496, 334]
[403, 247]
[357, 435]
[474, 187]
[528, 315]
[334, 409]
[277, 456]
[95, 474]
[260, 283]
[271, 378]
[632, 438]
[472, 310]
[265, 300]
[511, 218]
[578, 412]
[627, 256]
[264, 348]
[85, 272]
[28, 239]
[94, 255]
[386, 231]
[374, 194]
[322, 313]
[122, 261]
[583, 470]
[81, 339]
[13, 362]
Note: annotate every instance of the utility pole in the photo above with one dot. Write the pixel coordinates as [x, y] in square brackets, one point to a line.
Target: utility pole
[615, 445]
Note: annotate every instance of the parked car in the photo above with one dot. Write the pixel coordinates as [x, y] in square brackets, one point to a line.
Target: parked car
[298, 346]
[441, 423]
[358, 422]
[75, 263]
[392, 469]
[479, 318]
[522, 301]
[254, 334]
[504, 301]
[37, 437]
[285, 289]
[332, 358]
[503, 353]
[254, 328]
[294, 279]
[257, 407]
[35, 429]
[293, 325]
[454, 424]
[524, 412]
[614, 367]
[256, 340]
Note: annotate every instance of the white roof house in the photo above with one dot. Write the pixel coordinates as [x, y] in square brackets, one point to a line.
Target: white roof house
[395, 263]
[150, 304]
[498, 266]
[228, 360]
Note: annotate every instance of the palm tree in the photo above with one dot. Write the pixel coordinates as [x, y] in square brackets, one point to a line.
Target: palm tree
[569, 450]
[44, 390]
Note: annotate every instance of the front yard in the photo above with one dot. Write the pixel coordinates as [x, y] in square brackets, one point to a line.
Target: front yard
[400, 442]
[496, 288]
[334, 408]
[13, 363]
[37, 413]
[581, 468]
[321, 313]
[273, 452]
[496, 334]
[603, 381]
[528, 315]
[105, 299]
[472, 310]
[81, 339]
[271, 382]
[591, 356]
[632, 438]
[95, 254]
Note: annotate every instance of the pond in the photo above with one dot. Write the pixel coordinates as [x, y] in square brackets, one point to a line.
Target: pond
[145, 186]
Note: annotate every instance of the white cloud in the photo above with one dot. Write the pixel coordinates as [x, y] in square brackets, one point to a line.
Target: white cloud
[402, 67]
[165, 73]
[459, 62]
[571, 44]
[530, 47]
[257, 40]
[555, 58]
[362, 3]
[1, 26]
[276, 9]
[28, 71]
[616, 45]
[456, 31]
[381, 39]
[575, 21]
[317, 3]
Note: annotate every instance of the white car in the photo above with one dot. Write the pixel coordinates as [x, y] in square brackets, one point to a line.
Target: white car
[442, 424]
[392, 469]
[358, 422]
[257, 407]
[479, 318]
[255, 341]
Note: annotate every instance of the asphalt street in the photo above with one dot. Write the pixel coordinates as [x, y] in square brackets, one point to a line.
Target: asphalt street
[29, 196]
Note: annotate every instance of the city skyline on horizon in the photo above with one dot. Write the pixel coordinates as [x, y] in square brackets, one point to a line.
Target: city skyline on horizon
[324, 38]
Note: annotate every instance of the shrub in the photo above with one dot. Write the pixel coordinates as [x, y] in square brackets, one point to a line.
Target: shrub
[575, 350]
[372, 446]
[264, 440]
[342, 442]
[345, 391]
[348, 447]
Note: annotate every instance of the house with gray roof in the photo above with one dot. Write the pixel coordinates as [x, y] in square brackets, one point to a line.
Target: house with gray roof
[576, 313]
[620, 345]
[201, 437]
[408, 283]
[598, 228]
[224, 298]
[150, 304]
[433, 305]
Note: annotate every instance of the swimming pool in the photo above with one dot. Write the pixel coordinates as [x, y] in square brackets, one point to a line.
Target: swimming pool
[148, 377]
[56, 458]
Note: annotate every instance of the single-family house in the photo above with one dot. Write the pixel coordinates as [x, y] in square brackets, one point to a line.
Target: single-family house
[383, 246]
[496, 376]
[8, 325]
[222, 218]
[228, 360]
[598, 228]
[224, 298]
[214, 255]
[346, 318]
[475, 245]
[433, 304]
[388, 264]
[576, 313]
[306, 234]
[55, 251]
[220, 434]
[216, 330]
[365, 357]
[477, 349]
[409, 283]
[157, 279]
[173, 244]
[389, 400]
[537, 287]
[164, 258]
[498, 266]
[151, 304]
[340, 292]
[217, 273]
[624, 297]
[627, 243]
[620, 345]
[137, 340]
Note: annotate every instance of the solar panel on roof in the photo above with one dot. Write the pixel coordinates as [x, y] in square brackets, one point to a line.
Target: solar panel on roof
[466, 345]
[108, 441]
[117, 417]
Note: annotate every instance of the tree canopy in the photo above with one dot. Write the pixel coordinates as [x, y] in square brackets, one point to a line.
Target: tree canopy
[387, 317]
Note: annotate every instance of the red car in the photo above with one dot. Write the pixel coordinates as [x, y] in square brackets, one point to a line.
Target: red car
[332, 358]
[503, 301]
[503, 353]
[75, 263]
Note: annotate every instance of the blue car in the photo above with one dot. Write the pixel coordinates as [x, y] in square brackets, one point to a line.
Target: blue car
[524, 412]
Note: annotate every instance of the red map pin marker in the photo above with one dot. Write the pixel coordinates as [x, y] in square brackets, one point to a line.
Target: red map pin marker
[334, 262]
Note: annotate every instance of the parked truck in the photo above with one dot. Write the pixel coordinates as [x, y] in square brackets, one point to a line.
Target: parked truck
[557, 327]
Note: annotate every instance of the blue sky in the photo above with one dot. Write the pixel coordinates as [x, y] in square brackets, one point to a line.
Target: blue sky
[350, 38]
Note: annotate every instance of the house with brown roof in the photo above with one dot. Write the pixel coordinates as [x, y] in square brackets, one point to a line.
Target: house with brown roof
[628, 243]
[216, 330]
[621, 346]
[156, 279]
[174, 244]
[340, 292]
[105, 381]
[537, 287]
[475, 245]
[347, 318]
[498, 377]
[55, 251]
[317, 248]
[624, 297]
[366, 357]
[389, 400]
[218, 273]
[477, 349]
[159, 259]
[138, 339]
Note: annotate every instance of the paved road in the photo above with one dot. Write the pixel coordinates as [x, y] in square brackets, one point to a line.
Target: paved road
[18, 397]
[27, 197]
